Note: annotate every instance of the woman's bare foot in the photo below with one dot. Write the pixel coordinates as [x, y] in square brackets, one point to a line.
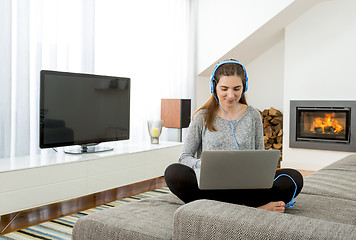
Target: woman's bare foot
[274, 206]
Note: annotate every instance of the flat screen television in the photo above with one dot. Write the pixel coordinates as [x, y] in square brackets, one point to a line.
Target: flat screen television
[83, 109]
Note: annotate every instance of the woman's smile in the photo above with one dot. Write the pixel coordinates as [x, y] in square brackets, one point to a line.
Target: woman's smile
[230, 101]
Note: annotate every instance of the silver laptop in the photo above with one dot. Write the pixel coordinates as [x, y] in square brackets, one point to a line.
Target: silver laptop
[242, 169]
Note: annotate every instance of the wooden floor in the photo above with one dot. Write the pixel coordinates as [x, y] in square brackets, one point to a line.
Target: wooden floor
[305, 172]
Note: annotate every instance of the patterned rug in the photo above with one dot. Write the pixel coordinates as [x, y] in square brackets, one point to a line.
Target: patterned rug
[61, 228]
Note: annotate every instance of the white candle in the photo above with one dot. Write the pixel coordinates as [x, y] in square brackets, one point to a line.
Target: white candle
[155, 132]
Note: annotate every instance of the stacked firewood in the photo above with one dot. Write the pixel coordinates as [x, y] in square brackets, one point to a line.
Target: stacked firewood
[272, 120]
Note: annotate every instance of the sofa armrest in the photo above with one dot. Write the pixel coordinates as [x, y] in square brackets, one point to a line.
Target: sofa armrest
[207, 219]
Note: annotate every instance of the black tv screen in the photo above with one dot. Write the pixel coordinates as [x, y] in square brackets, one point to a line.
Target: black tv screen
[83, 109]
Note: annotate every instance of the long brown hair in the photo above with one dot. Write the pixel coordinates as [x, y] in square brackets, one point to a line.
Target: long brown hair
[227, 69]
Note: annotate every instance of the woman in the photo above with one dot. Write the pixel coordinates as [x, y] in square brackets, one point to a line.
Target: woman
[226, 122]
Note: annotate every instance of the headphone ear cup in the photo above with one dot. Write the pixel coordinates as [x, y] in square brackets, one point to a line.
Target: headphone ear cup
[212, 85]
[246, 87]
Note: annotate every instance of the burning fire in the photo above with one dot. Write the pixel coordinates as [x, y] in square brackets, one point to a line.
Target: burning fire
[329, 123]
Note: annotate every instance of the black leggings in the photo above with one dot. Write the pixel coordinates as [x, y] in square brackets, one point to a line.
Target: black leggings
[182, 181]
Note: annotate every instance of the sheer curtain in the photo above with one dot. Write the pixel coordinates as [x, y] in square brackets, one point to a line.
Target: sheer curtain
[149, 41]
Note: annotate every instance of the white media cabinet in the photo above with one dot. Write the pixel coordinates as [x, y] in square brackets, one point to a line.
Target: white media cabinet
[33, 181]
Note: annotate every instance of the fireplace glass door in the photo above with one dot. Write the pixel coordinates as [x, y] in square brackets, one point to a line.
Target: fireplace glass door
[323, 124]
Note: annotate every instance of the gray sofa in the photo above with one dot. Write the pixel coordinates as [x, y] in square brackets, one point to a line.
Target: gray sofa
[325, 209]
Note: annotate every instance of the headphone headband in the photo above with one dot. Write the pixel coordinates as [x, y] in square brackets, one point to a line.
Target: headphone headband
[212, 85]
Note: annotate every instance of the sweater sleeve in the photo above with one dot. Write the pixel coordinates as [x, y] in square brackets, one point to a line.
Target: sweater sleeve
[193, 142]
[259, 131]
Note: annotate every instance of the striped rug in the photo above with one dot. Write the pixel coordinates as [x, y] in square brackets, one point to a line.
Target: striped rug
[61, 228]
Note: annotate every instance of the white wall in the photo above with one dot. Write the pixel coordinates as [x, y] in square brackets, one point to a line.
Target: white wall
[266, 76]
[223, 24]
[202, 90]
[319, 65]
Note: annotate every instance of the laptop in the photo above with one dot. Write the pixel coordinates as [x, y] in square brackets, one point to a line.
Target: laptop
[242, 169]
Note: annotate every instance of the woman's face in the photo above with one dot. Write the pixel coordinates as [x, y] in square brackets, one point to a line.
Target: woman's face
[229, 91]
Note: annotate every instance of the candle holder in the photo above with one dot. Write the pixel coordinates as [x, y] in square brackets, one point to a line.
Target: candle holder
[154, 129]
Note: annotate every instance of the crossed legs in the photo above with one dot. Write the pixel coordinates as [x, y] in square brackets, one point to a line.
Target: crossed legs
[182, 182]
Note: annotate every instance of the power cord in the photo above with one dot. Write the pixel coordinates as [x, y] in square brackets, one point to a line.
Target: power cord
[292, 202]
[231, 122]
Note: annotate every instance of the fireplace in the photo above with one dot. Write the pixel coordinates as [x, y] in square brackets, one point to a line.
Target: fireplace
[323, 125]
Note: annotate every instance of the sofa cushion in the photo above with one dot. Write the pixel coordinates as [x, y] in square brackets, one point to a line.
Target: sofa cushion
[145, 219]
[347, 163]
[335, 180]
[207, 219]
[324, 208]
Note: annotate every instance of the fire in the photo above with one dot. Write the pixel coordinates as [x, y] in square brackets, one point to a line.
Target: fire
[328, 122]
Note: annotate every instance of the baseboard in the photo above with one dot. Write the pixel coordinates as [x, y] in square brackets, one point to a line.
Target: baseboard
[30, 217]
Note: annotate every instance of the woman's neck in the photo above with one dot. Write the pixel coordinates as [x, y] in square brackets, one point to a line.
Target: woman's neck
[230, 113]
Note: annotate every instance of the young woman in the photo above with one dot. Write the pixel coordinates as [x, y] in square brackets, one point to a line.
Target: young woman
[226, 122]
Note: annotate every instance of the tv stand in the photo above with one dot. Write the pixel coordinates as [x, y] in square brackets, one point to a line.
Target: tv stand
[90, 148]
[51, 177]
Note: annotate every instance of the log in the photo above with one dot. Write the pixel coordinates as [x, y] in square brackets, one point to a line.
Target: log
[268, 131]
[277, 120]
[268, 118]
[274, 112]
[277, 145]
[268, 145]
[280, 133]
[277, 128]
[274, 135]
[266, 124]
[265, 112]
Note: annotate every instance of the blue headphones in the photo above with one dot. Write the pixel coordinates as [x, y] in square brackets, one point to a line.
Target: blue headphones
[212, 79]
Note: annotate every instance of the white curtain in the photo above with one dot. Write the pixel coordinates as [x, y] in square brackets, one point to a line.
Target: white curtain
[149, 41]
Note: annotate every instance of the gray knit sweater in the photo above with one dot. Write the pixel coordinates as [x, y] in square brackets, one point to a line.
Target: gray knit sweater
[248, 131]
